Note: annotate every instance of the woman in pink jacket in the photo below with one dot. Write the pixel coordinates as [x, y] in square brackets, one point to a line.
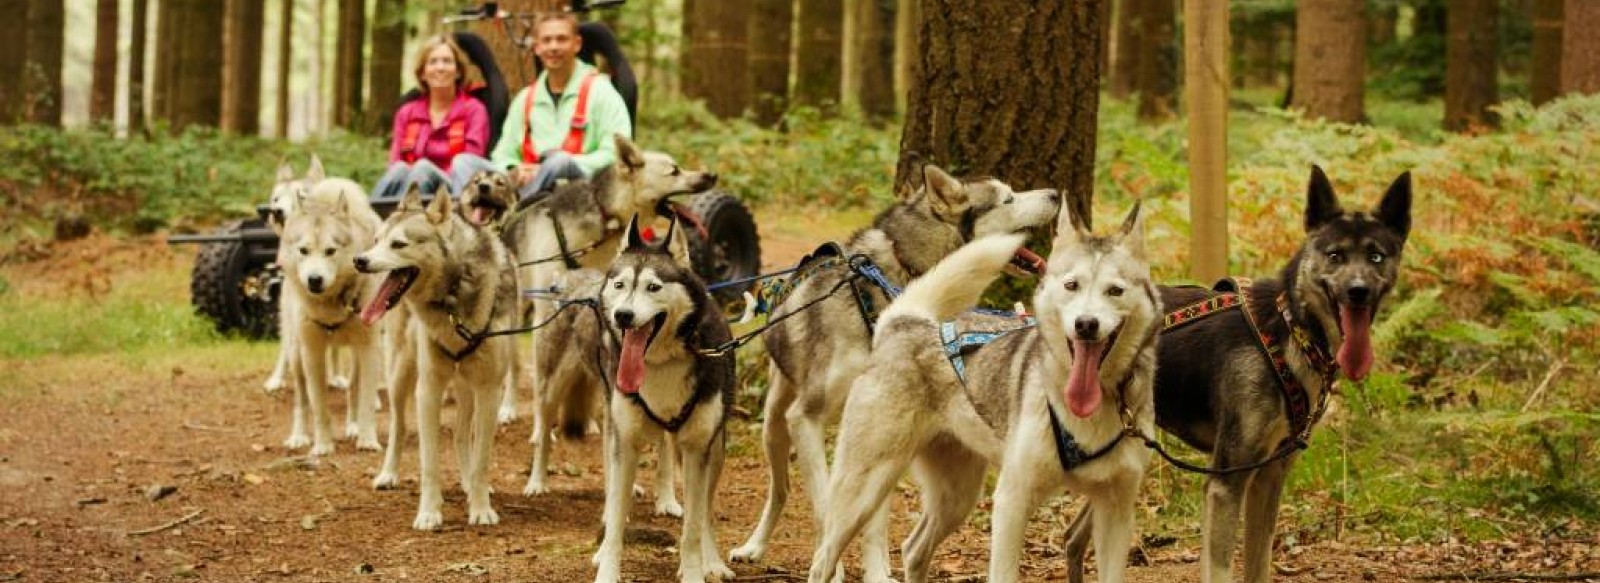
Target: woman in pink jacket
[442, 135]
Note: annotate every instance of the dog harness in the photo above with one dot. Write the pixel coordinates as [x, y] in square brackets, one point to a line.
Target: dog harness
[772, 292]
[1234, 292]
[575, 135]
[351, 308]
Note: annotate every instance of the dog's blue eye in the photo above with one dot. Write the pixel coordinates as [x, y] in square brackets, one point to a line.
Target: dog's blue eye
[397, 245]
[653, 288]
[1114, 291]
[1375, 258]
[1072, 285]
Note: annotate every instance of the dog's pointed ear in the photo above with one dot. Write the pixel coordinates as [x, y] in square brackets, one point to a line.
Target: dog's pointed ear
[945, 194]
[1321, 204]
[412, 201]
[677, 247]
[439, 210]
[1072, 233]
[628, 153]
[635, 239]
[1133, 230]
[314, 172]
[1395, 208]
[285, 171]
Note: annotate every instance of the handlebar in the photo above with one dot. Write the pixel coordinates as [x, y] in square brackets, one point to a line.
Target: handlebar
[492, 11]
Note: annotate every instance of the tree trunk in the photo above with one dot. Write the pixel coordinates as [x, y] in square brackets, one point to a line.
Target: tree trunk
[1330, 59]
[196, 97]
[867, 66]
[347, 66]
[46, 32]
[1470, 65]
[285, 54]
[1019, 106]
[1130, 48]
[136, 85]
[166, 60]
[1381, 25]
[1205, 82]
[103, 92]
[1580, 47]
[15, 49]
[384, 76]
[1545, 81]
[1157, 81]
[241, 108]
[1105, 38]
[818, 52]
[906, 17]
[717, 70]
[770, 41]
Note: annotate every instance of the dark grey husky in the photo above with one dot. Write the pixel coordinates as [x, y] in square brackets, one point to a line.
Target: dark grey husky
[1243, 371]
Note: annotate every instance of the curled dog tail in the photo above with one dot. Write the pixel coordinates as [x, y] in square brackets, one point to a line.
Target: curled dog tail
[577, 411]
[956, 283]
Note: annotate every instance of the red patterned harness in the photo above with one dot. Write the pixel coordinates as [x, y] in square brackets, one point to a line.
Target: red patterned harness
[1234, 292]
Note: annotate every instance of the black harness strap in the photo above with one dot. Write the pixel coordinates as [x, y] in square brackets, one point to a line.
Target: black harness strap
[1069, 451]
[561, 240]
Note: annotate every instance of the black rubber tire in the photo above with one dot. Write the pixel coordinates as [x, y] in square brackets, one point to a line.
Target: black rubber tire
[217, 288]
[734, 248]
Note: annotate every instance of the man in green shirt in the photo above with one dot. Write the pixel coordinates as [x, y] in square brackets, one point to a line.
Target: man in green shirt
[561, 126]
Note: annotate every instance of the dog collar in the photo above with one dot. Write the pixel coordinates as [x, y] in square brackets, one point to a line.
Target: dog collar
[351, 308]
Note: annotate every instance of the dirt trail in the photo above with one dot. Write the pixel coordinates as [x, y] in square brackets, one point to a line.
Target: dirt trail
[83, 439]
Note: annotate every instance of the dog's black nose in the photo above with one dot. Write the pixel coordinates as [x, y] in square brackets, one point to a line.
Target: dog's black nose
[1358, 294]
[315, 283]
[483, 189]
[361, 264]
[711, 177]
[624, 318]
[1088, 327]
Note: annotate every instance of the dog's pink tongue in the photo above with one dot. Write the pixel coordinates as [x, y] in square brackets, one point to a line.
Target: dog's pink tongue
[1083, 383]
[379, 305]
[630, 371]
[480, 216]
[1355, 355]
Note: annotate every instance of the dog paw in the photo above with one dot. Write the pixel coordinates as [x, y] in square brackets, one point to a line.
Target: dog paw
[638, 491]
[718, 570]
[605, 575]
[322, 449]
[385, 481]
[749, 553]
[880, 578]
[273, 385]
[507, 415]
[369, 443]
[427, 520]
[340, 382]
[485, 516]
[535, 488]
[669, 508]
[297, 441]
[352, 430]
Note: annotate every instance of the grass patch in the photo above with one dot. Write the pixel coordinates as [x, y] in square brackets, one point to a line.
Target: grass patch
[141, 313]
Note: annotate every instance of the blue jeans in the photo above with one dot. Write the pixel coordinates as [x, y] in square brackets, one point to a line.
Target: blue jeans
[427, 176]
[553, 165]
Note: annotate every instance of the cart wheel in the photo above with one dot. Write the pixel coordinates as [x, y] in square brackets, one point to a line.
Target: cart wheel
[238, 293]
[734, 248]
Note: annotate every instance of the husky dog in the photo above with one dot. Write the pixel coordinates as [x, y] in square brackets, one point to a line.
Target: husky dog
[580, 225]
[816, 354]
[659, 318]
[460, 287]
[574, 379]
[1035, 401]
[289, 196]
[322, 297]
[1217, 391]
[486, 197]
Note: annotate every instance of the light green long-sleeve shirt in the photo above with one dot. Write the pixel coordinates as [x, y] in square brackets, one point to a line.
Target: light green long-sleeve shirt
[608, 115]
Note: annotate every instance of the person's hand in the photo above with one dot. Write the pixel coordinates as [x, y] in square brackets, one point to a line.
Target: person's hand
[524, 173]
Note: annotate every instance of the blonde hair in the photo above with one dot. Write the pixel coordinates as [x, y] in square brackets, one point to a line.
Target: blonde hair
[464, 67]
[566, 17]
